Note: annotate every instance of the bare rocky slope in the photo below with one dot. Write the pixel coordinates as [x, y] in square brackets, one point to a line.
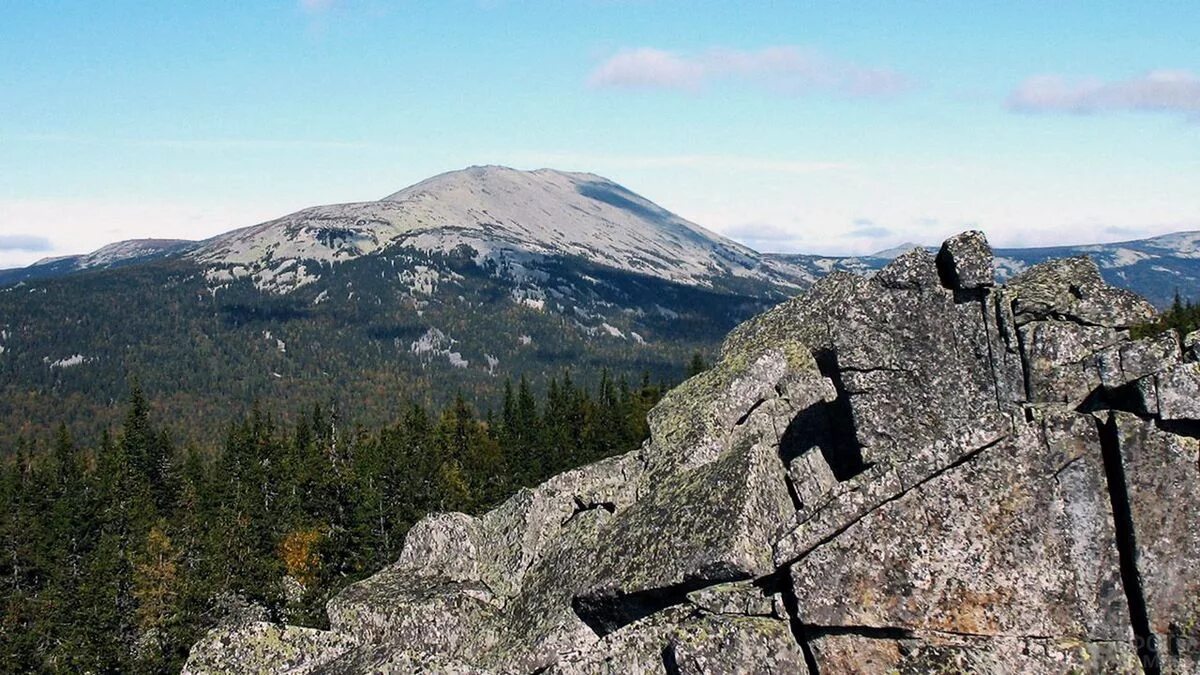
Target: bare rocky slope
[913, 472]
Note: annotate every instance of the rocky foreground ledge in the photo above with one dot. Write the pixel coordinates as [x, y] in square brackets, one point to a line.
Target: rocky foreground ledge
[913, 472]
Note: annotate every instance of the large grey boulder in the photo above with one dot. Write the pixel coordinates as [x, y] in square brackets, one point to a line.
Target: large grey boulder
[1015, 541]
[914, 472]
[261, 647]
[1161, 472]
[919, 653]
[965, 262]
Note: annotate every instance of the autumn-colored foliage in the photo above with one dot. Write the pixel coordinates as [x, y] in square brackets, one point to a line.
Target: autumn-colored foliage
[298, 551]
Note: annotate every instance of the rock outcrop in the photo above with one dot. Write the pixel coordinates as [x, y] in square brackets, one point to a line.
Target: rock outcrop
[913, 472]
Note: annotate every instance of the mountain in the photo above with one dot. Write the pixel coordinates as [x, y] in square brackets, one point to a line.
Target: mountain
[1156, 268]
[453, 284]
[113, 255]
[917, 472]
[508, 219]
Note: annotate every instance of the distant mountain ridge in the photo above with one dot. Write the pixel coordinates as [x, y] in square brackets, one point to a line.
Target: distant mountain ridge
[453, 284]
[1156, 267]
[510, 219]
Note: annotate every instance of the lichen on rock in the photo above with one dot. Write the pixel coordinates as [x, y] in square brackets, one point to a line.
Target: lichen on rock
[920, 471]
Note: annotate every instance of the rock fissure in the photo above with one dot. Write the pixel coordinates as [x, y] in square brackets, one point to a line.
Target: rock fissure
[583, 507]
[875, 477]
[1127, 548]
[798, 631]
[965, 458]
[606, 614]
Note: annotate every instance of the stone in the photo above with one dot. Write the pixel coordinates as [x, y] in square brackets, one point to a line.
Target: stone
[1016, 540]
[913, 472]
[1060, 358]
[262, 647]
[913, 269]
[1190, 343]
[965, 262]
[1129, 361]
[740, 598]
[915, 654]
[1071, 289]
[441, 545]
[1178, 392]
[1161, 471]
[734, 508]
[713, 645]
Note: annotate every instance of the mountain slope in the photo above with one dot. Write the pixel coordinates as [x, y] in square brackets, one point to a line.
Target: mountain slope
[116, 254]
[912, 473]
[505, 217]
[451, 285]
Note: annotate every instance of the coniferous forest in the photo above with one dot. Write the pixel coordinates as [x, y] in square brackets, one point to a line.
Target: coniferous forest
[117, 553]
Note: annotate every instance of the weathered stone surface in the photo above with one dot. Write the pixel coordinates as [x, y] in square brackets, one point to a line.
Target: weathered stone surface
[1178, 392]
[743, 598]
[1071, 289]
[714, 645]
[1017, 540]
[1190, 343]
[1162, 474]
[1060, 358]
[441, 616]
[442, 545]
[1129, 361]
[262, 647]
[912, 269]
[693, 423]
[635, 648]
[913, 472]
[965, 261]
[734, 509]
[923, 653]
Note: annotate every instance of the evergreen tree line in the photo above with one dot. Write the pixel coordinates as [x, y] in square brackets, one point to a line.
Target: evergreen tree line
[1182, 317]
[116, 557]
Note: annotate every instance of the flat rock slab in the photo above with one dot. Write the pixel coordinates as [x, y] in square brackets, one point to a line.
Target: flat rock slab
[850, 654]
[262, 647]
[1018, 540]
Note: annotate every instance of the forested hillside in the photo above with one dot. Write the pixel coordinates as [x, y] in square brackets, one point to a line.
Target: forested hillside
[118, 551]
[71, 345]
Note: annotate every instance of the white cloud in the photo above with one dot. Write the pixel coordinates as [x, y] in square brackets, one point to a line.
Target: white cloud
[648, 68]
[1169, 91]
[785, 69]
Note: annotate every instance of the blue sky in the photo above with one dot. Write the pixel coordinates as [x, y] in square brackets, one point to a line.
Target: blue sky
[800, 126]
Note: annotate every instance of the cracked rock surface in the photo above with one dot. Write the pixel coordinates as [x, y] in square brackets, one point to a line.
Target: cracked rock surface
[916, 472]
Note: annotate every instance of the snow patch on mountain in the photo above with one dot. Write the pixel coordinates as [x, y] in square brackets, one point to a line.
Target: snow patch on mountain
[119, 252]
[436, 343]
[497, 216]
[67, 362]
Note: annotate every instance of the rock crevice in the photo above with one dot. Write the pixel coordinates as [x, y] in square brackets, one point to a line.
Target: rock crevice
[918, 471]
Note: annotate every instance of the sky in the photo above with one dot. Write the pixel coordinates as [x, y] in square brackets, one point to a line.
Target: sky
[821, 127]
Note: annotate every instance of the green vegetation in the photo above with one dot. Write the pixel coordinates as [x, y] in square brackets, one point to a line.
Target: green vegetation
[1182, 318]
[117, 556]
[72, 344]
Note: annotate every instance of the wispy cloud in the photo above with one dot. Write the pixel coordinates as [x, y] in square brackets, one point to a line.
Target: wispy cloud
[786, 69]
[1163, 91]
[24, 242]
